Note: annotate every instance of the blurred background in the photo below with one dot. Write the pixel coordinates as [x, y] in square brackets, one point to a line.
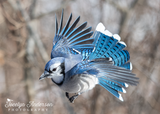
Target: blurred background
[26, 32]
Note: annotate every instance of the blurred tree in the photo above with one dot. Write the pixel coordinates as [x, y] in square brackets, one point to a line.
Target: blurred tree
[26, 34]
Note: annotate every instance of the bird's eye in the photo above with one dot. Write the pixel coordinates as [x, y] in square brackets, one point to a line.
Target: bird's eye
[54, 69]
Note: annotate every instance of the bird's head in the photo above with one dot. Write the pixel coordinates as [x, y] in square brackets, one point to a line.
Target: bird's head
[54, 69]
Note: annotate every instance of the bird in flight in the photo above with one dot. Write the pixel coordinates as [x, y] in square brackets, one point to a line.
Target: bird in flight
[80, 60]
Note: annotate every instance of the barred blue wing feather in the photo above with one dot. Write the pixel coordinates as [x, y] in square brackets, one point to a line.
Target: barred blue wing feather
[109, 46]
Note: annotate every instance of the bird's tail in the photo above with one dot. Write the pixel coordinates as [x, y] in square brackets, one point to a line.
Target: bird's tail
[112, 87]
[113, 78]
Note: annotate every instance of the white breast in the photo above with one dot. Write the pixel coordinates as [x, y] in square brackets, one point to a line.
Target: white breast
[88, 81]
[80, 83]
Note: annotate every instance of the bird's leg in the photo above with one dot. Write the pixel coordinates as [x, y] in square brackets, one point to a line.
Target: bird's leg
[71, 99]
[67, 95]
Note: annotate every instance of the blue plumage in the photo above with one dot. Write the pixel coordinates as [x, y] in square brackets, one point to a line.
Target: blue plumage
[85, 52]
[107, 46]
[111, 90]
[120, 57]
[79, 61]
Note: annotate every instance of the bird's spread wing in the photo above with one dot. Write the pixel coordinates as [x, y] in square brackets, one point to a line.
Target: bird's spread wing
[71, 39]
[108, 45]
[104, 68]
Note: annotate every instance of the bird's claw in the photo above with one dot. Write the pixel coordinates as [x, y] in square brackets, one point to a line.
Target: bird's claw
[72, 99]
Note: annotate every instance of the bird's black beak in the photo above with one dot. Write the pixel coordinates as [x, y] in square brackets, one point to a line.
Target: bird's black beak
[44, 75]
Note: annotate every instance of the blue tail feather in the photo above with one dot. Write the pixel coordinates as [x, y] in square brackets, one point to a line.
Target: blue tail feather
[103, 84]
[118, 82]
[109, 88]
[121, 84]
[112, 84]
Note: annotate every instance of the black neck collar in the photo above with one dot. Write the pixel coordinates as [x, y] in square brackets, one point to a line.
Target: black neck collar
[63, 73]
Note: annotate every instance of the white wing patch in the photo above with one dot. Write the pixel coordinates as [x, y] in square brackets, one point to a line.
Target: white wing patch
[106, 32]
[100, 27]
[120, 97]
[123, 43]
[116, 36]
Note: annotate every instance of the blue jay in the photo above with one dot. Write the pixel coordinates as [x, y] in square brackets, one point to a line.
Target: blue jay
[79, 62]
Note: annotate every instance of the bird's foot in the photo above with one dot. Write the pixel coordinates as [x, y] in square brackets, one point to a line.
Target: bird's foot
[73, 98]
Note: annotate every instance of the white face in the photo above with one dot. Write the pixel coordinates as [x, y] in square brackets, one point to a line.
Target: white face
[54, 68]
[56, 72]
